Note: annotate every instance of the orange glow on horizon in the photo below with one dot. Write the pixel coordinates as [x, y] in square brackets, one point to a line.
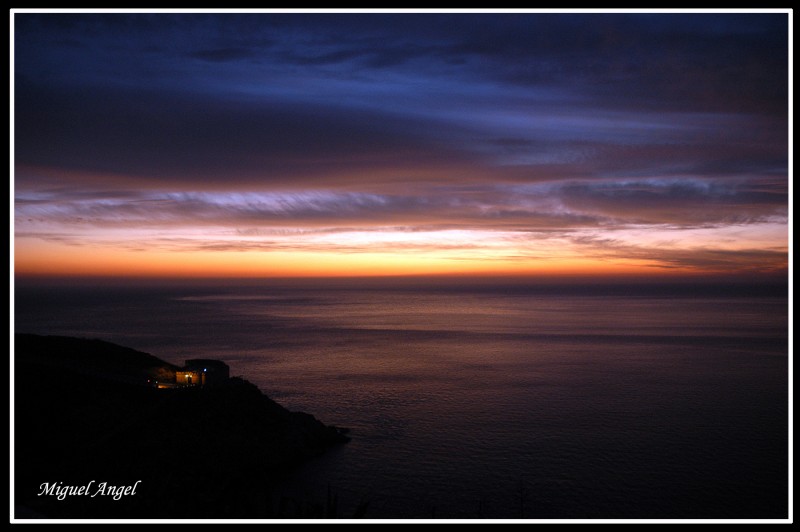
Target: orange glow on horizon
[196, 253]
[78, 261]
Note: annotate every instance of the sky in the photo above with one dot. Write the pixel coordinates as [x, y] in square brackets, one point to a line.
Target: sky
[350, 144]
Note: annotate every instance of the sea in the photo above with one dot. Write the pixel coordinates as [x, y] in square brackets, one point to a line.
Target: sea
[488, 401]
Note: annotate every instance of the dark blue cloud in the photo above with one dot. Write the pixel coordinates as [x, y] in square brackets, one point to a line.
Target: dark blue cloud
[668, 61]
[167, 137]
[223, 54]
[409, 106]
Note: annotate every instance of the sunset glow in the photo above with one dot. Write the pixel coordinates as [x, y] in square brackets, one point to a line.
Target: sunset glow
[268, 144]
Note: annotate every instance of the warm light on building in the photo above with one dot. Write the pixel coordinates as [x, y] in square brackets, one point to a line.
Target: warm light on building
[202, 372]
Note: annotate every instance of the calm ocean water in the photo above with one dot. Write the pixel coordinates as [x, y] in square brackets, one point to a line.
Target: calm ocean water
[497, 403]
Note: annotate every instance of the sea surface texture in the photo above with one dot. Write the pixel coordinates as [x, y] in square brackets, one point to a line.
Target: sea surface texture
[490, 402]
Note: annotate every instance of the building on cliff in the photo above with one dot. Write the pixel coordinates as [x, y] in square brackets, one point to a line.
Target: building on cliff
[202, 372]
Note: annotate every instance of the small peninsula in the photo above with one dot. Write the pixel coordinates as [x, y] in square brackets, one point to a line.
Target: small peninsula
[88, 412]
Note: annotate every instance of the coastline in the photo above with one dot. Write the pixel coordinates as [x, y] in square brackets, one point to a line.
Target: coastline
[85, 415]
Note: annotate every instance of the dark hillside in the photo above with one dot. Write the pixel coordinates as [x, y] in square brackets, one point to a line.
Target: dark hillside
[83, 412]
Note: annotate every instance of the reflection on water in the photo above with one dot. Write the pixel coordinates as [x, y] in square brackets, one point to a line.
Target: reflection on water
[503, 404]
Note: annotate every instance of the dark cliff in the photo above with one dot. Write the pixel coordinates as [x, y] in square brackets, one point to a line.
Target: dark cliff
[83, 412]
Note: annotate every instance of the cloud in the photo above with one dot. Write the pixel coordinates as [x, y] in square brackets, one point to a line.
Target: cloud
[223, 54]
[551, 206]
[169, 140]
[280, 100]
[525, 125]
[678, 202]
[488, 209]
[685, 62]
[673, 255]
[167, 137]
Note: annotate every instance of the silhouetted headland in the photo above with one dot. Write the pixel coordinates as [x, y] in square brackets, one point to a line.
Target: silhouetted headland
[88, 410]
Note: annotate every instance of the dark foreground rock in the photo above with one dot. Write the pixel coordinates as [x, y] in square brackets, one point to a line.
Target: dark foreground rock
[84, 413]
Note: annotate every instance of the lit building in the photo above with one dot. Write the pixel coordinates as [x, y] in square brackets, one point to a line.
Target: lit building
[202, 372]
